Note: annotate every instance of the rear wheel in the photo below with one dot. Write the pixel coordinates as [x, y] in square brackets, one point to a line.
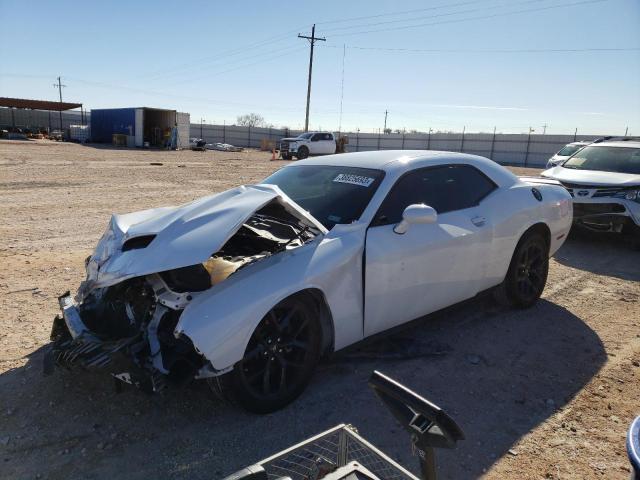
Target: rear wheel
[279, 361]
[528, 270]
[303, 152]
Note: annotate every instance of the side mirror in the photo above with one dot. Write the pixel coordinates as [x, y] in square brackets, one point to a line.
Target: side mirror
[417, 213]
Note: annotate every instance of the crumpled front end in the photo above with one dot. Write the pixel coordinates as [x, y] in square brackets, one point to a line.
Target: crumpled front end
[606, 209]
[127, 330]
[149, 266]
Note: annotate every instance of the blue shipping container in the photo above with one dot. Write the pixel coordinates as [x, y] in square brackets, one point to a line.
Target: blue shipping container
[106, 122]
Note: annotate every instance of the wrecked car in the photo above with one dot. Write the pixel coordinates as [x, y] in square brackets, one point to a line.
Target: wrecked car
[249, 288]
[604, 180]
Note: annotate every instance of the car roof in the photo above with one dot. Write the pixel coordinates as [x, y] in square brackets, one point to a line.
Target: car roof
[395, 162]
[623, 144]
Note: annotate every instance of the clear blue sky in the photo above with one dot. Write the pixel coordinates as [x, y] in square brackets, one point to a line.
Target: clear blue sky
[477, 64]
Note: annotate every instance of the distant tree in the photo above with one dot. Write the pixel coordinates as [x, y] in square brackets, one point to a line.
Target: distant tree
[397, 130]
[387, 131]
[251, 120]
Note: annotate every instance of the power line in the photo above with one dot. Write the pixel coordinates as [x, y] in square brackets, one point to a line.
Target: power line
[447, 14]
[312, 40]
[286, 51]
[480, 17]
[404, 12]
[214, 64]
[482, 51]
[223, 54]
[170, 95]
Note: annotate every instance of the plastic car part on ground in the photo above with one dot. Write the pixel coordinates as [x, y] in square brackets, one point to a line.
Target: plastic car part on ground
[223, 147]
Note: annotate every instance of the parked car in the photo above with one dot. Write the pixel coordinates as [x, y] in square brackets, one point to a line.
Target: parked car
[250, 287]
[308, 144]
[604, 181]
[565, 152]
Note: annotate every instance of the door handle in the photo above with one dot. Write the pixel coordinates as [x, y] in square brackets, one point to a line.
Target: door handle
[479, 221]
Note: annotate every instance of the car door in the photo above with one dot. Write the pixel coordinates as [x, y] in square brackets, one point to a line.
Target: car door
[431, 266]
[315, 144]
[328, 144]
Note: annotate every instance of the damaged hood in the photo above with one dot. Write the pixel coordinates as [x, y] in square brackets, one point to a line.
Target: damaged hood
[592, 177]
[161, 239]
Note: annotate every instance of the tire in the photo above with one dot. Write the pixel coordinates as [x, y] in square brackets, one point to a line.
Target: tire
[286, 156]
[279, 360]
[527, 274]
[303, 152]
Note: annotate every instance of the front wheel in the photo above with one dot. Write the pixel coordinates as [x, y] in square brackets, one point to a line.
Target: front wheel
[528, 270]
[303, 152]
[279, 360]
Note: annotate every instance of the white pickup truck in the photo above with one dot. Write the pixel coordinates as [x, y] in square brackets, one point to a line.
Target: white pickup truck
[310, 143]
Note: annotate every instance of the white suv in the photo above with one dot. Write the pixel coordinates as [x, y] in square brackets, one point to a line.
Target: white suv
[310, 143]
[565, 152]
[604, 180]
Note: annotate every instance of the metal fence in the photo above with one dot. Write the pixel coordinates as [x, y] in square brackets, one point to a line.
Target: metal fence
[41, 119]
[508, 149]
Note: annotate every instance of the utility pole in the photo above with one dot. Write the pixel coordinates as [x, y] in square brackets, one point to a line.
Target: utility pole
[386, 112]
[312, 40]
[544, 129]
[201, 121]
[59, 87]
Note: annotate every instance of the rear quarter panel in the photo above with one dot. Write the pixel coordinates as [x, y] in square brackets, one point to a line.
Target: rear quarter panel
[514, 210]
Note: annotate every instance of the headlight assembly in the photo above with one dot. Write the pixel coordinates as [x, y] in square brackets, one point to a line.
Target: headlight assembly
[633, 195]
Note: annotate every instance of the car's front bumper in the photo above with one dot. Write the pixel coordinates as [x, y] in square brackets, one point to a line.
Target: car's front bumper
[74, 345]
[608, 214]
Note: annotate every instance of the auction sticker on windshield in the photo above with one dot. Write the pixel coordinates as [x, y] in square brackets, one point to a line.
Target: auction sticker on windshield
[354, 179]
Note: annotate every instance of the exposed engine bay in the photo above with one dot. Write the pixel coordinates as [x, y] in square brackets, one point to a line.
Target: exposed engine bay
[129, 327]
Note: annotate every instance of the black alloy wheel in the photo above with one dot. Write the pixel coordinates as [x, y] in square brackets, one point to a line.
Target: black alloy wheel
[279, 359]
[527, 275]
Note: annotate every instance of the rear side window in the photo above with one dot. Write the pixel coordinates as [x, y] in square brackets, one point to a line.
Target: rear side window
[446, 188]
[570, 150]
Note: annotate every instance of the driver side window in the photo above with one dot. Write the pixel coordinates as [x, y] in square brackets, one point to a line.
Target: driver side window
[316, 137]
[445, 188]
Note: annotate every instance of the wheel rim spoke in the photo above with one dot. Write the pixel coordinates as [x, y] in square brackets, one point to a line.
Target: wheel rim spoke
[298, 344]
[278, 352]
[266, 379]
[300, 329]
[283, 379]
[283, 325]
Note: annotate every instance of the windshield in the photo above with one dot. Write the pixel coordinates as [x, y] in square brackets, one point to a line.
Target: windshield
[606, 159]
[568, 150]
[305, 135]
[331, 194]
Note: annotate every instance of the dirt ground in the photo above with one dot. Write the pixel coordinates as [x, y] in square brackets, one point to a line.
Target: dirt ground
[542, 393]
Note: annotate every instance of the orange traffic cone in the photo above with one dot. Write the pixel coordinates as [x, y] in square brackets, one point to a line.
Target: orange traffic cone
[273, 154]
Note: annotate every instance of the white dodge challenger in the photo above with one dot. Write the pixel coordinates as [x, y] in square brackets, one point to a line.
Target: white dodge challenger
[249, 288]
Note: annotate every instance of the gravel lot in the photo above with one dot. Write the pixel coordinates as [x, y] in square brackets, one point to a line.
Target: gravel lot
[542, 393]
